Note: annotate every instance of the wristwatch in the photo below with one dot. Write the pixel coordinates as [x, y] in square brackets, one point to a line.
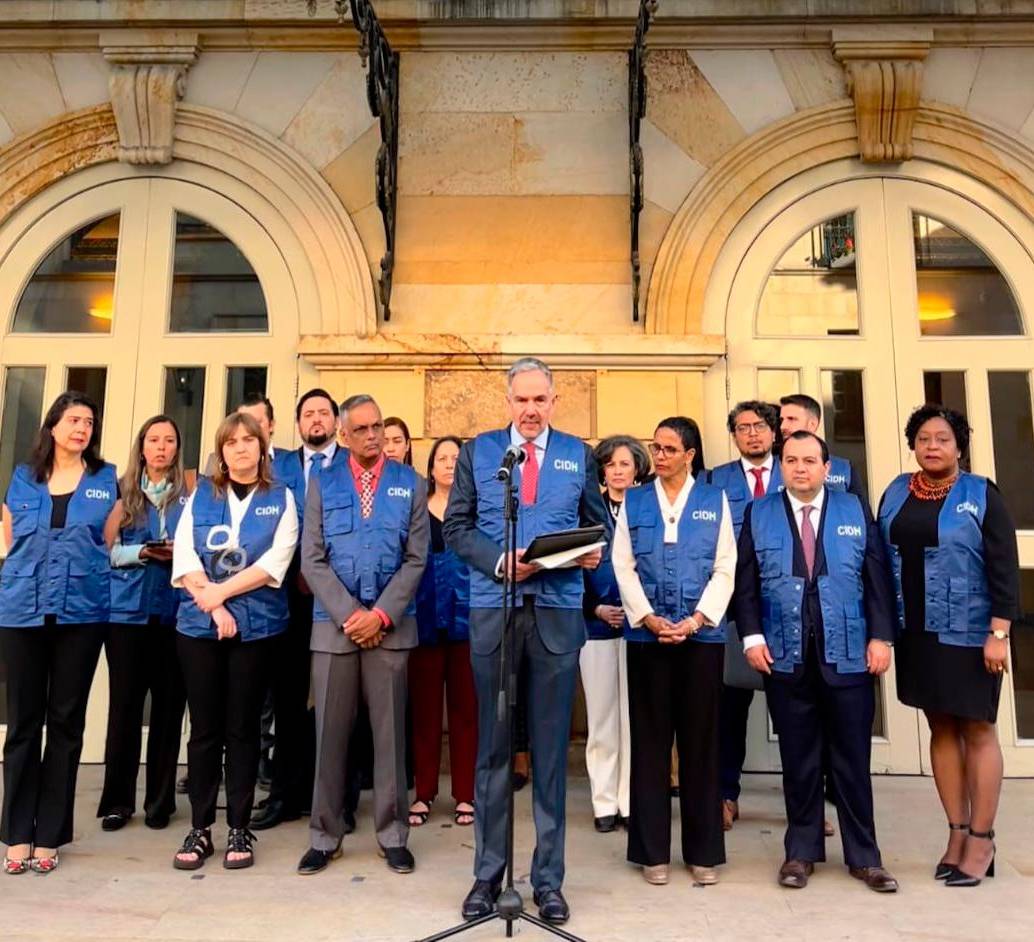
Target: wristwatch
[1000, 635]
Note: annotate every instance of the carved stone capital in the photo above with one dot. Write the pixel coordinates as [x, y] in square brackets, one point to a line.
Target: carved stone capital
[148, 72]
[884, 69]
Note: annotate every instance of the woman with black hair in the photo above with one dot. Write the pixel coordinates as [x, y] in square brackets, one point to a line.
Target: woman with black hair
[440, 664]
[60, 517]
[952, 547]
[141, 643]
[623, 463]
[398, 445]
[675, 560]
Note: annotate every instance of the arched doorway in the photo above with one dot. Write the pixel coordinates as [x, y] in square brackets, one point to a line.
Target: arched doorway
[874, 293]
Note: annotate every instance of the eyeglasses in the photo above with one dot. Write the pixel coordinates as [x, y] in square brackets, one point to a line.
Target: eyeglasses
[669, 451]
[750, 427]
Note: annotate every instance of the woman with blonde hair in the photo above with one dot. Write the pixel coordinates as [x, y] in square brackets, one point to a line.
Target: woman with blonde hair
[141, 644]
[234, 542]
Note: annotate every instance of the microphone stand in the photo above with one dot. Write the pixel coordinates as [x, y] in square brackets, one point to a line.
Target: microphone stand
[510, 905]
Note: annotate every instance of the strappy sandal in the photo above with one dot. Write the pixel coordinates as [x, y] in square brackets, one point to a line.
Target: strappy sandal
[44, 864]
[419, 818]
[463, 813]
[14, 867]
[199, 843]
[238, 841]
[944, 868]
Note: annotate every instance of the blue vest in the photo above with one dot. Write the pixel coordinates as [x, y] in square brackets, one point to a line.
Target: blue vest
[64, 572]
[556, 507]
[365, 554]
[674, 575]
[262, 612]
[839, 477]
[739, 491]
[605, 586]
[139, 592]
[443, 599]
[287, 469]
[958, 601]
[840, 591]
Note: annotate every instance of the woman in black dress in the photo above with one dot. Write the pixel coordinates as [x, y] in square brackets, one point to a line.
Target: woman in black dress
[952, 545]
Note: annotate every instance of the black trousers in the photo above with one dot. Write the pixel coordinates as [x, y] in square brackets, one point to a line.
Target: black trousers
[734, 712]
[226, 683]
[813, 717]
[142, 658]
[49, 672]
[294, 750]
[673, 696]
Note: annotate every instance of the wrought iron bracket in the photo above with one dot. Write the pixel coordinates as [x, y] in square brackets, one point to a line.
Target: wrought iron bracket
[382, 94]
[636, 113]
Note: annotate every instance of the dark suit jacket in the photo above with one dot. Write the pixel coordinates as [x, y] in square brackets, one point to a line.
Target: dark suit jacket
[561, 630]
[327, 636]
[878, 591]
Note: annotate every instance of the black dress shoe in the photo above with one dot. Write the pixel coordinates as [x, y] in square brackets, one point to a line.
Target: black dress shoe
[399, 859]
[606, 823]
[157, 822]
[313, 861]
[349, 819]
[115, 821]
[480, 900]
[273, 814]
[552, 906]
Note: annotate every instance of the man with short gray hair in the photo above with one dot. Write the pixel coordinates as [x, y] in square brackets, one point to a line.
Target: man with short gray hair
[559, 489]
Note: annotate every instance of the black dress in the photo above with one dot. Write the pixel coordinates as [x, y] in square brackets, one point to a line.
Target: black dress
[945, 678]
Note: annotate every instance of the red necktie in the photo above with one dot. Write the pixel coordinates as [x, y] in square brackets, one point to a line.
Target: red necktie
[529, 475]
[808, 539]
[366, 494]
[759, 484]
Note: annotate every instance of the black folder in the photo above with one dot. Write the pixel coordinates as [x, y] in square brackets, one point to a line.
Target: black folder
[547, 544]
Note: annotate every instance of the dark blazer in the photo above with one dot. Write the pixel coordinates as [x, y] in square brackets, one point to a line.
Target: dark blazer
[561, 630]
[880, 607]
[398, 593]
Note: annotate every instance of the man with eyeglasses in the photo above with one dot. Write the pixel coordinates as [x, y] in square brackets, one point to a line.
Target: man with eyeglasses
[755, 473]
[364, 550]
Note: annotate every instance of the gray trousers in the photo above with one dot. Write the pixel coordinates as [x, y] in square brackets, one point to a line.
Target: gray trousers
[338, 680]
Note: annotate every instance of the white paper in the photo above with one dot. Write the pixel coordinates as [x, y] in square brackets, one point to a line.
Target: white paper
[566, 558]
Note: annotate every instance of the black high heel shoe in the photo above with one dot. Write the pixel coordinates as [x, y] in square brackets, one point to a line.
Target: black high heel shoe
[961, 878]
[945, 869]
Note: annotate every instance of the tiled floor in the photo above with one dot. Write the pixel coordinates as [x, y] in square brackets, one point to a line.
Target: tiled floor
[122, 886]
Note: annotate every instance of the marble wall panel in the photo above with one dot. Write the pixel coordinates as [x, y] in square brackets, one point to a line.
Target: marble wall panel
[684, 106]
[351, 173]
[948, 75]
[749, 82]
[82, 77]
[1003, 89]
[511, 309]
[669, 173]
[467, 402]
[398, 392]
[578, 152]
[29, 91]
[514, 81]
[280, 84]
[335, 116]
[633, 402]
[812, 76]
[217, 79]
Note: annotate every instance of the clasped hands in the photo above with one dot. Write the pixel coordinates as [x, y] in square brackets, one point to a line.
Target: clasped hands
[669, 632]
[877, 658]
[364, 628]
[210, 597]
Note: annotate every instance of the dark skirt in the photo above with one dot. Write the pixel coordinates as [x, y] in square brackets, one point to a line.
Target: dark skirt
[944, 678]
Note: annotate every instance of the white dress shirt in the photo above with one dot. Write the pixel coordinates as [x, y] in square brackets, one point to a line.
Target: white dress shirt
[274, 561]
[766, 472]
[330, 449]
[752, 641]
[516, 438]
[715, 598]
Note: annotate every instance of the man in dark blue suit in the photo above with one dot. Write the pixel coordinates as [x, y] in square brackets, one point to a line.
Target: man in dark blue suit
[559, 489]
[815, 609]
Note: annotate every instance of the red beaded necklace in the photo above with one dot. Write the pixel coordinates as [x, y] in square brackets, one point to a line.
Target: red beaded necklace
[925, 488]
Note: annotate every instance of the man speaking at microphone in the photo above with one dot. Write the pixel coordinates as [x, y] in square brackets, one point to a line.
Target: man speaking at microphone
[558, 487]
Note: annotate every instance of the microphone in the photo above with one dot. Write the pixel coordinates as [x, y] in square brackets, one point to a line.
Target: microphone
[512, 457]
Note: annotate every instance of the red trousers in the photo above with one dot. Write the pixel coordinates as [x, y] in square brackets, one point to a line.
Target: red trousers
[434, 670]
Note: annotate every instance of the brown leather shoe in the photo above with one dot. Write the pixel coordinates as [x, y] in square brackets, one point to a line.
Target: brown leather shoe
[794, 873]
[875, 878]
[730, 813]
